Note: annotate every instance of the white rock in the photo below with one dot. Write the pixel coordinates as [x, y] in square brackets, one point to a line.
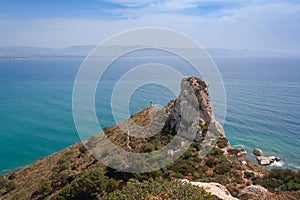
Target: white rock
[258, 191]
[262, 160]
[257, 152]
[213, 188]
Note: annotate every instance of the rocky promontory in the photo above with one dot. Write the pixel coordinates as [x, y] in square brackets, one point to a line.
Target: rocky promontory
[211, 168]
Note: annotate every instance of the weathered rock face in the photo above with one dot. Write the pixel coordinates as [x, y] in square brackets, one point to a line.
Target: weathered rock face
[214, 188]
[257, 192]
[239, 154]
[242, 155]
[192, 109]
[277, 159]
[263, 160]
[257, 152]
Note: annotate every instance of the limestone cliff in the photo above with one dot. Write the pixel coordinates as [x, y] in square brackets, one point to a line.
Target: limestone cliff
[194, 92]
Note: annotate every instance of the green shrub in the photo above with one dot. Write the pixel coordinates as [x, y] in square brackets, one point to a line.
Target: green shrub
[136, 190]
[10, 186]
[3, 181]
[146, 148]
[6, 185]
[57, 198]
[19, 196]
[148, 175]
[216, 152]
[196, 145]
[234, 151]
[65, 162]
[248, 174]
[89, 185]
[280, 180]
[210, 162]
[44, 189]
[204, 126]
[223, 168]
[187, 154]
[178, 175]
[107, 130]
[11, 175]
[223, 158]
[222, 142]
[82, 149]
[65, 192]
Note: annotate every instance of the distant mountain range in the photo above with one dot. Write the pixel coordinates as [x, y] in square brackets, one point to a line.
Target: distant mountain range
[83, 51]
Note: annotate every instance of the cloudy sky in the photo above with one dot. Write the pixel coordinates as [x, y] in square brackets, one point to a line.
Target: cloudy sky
[242, 24]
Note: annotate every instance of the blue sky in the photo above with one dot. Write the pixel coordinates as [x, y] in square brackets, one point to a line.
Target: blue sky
[244, 24]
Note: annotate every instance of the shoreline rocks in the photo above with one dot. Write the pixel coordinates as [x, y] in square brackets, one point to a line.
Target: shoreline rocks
[257, 152]
[264, 160]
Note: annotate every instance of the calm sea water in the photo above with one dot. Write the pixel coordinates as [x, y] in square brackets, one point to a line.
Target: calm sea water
[263, 108]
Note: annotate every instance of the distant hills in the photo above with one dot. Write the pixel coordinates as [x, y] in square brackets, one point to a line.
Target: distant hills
[83, 51]
[27, 52]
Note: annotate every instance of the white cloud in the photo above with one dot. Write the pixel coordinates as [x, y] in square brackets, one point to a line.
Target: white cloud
[134, 3]
[264, 25]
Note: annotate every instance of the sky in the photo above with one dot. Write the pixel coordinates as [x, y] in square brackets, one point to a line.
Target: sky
[242, 24]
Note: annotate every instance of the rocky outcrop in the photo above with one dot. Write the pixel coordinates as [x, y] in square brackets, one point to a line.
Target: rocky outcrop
[257, 152]
[241, 155]
[192, 111]
[214, 188]
[257, 192]
[264, 160]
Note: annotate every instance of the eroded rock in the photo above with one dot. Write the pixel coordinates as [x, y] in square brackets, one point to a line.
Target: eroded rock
[214, 188]
[257, 191]
[263, 160]
[257, 152]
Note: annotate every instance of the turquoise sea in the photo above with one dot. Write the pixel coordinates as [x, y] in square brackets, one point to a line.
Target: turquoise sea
[263, 107]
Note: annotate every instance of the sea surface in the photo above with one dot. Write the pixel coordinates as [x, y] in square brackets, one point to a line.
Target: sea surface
[36, 120]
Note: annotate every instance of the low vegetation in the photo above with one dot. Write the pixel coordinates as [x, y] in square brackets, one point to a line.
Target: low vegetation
[6, 185]
[280, 180]
[75, 174]
[162, 189]
[91, 185]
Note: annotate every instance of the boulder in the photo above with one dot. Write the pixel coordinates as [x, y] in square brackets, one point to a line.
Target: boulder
[257, 152]
[257, 192]
[263, 160]
[241, 155]
[214, 188]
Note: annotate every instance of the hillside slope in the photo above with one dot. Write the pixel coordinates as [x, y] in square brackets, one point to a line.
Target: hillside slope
[208, 159]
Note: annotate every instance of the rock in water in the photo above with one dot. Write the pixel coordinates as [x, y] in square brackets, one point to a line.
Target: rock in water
[262, 160]
[257, 152]
[277, 159]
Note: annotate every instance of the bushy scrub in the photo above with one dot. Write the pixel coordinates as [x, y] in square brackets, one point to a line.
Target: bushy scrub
[280, 180]
[136, 190]
[90, 185]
